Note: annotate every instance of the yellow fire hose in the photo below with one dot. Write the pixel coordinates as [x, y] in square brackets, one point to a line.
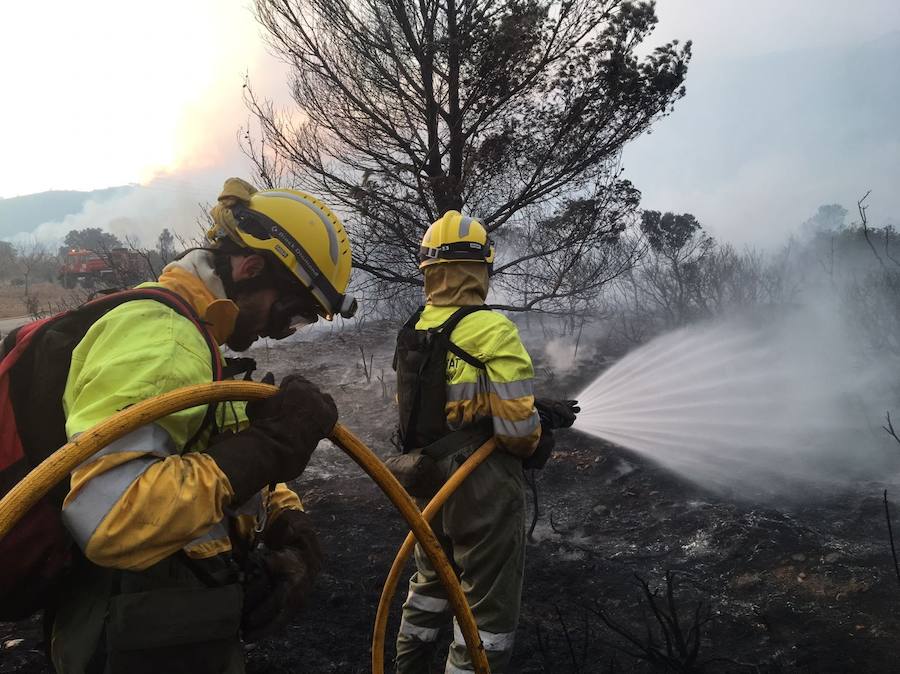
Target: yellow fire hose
[390, 585]
[57, 467]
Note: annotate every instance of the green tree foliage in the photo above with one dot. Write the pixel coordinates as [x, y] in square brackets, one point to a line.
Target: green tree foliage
[514, 110]
[93, 239]
[668, 232]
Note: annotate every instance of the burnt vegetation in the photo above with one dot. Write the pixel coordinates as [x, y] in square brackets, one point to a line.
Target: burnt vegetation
[517, 110]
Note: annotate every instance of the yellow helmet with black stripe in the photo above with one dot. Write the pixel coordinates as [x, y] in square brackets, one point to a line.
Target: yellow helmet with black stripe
[298, 230]
[455, 238]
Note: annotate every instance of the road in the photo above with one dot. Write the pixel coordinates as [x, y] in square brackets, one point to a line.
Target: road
[7, 324]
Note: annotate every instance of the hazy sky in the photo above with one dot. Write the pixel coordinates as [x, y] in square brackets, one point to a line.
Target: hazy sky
[103, 93]
[790, 104]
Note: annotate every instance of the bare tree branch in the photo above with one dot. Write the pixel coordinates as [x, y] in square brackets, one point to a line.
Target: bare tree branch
[515, 112]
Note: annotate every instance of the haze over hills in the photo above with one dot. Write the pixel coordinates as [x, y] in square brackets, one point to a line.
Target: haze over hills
[25, 213]
[758, 143]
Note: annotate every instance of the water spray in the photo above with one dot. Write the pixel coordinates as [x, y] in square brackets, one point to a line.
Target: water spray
[742, 407]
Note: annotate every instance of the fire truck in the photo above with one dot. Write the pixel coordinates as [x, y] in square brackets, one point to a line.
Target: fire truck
[119, 267]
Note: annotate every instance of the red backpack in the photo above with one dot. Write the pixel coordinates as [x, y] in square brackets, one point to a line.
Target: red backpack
[34, 367]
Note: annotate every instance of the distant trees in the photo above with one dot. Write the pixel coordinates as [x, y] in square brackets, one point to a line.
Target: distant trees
[33, 263]
[869, 259]
[7, 261]
[828, 218]
[93, 239]
[685, 275]
[515, 111]
[165, 246]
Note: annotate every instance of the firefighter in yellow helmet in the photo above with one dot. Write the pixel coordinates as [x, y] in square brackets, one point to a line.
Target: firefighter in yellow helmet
[463, 375]
[187, 540]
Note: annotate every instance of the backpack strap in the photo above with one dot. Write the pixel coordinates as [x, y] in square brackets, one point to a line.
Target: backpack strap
[179, 305]
[445, 330]
[182, 307]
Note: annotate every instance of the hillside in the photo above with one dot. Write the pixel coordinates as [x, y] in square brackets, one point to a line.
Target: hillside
[24, 213]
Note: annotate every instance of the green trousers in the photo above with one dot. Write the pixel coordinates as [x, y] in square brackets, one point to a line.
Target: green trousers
[163, 619]
[482, 530]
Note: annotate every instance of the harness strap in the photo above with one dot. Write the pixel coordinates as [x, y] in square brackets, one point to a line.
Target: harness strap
[442, 334]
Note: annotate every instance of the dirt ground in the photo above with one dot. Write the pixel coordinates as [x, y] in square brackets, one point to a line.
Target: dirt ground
[50, 297]
[791, 588]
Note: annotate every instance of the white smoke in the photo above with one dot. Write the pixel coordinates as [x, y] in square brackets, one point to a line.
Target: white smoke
[763, 405]
[139, 213]
[560, 353]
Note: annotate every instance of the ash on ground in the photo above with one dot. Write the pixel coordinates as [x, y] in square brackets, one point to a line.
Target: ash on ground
[804, 587]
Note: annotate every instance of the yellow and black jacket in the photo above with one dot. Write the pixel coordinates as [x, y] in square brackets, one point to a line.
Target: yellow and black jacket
[144, 497]
[503, 391]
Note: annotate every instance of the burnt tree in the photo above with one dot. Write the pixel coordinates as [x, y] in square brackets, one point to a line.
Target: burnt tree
[515, 111]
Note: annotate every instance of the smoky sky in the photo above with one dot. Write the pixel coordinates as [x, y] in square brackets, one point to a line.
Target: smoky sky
[789, 105]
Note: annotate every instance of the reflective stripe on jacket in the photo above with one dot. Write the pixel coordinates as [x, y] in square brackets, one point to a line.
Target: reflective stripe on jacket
[503, 391]
[143, 498]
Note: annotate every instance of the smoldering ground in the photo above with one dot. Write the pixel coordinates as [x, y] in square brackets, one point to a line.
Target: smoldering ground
[808, 587]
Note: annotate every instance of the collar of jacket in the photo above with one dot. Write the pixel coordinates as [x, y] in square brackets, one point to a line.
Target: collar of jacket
[194, 278]
[456, 284]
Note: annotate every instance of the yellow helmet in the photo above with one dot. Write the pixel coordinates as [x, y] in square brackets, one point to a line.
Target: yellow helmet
[299, 230]
[455, 238]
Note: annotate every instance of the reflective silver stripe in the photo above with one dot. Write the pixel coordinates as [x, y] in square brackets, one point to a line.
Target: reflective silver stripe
[83, 515]
[420, 633]
[329, 226]
[513, 389]
[467, 390]
[425, 603]
[453, 669]
[492, 641]
[464, 224]
[152, 439]
[516, 429]
[216, 533]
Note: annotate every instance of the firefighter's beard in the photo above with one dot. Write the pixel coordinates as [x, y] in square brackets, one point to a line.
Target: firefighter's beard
[243, 335]
[252, 319]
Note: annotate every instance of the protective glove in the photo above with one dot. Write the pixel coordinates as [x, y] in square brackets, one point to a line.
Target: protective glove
[542, 452]
[294, 529]
[291, 562]
[284, 430]
[557, 413]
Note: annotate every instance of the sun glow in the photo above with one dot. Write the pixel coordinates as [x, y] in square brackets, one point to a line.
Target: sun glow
[104, 93]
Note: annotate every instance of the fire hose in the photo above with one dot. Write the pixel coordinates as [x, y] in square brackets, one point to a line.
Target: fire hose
[60, 464]
[390, 584]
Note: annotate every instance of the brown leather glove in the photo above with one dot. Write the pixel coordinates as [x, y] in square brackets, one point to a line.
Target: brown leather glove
[292, 561]
[284, 430]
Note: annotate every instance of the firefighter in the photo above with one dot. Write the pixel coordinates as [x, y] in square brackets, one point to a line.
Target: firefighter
[188, 537]
[483, 388]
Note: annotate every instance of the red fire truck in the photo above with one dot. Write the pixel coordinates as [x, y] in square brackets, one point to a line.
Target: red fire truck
[86, 268]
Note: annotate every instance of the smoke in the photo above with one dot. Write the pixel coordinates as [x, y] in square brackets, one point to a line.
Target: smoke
[770, 404]
[137, 214]
[560, 353]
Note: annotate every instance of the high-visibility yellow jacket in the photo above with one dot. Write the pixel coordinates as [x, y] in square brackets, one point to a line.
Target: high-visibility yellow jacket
[502, 391]
[143, 497]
